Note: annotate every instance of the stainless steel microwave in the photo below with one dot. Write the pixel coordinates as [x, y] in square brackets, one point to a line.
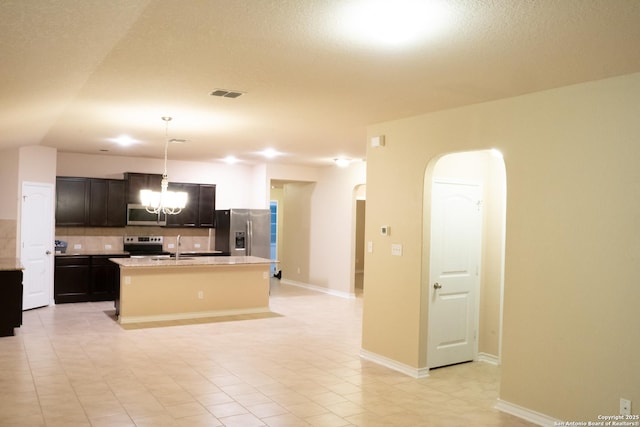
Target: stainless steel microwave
[138, 215]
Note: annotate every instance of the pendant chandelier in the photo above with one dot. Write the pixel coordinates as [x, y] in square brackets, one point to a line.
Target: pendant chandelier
[164, 201]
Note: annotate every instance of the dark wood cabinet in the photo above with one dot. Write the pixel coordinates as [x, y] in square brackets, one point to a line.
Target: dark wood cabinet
[188, 217]
[105, 278]
[72, 278]
[90, 202]
[200, 208]
[10, 301]
[72, 196]
[86, 278]
[207, 205]
[134, 182]
[97, 202]
[107, 207]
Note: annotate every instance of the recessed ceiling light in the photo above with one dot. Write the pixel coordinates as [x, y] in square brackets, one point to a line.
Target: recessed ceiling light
[124, 140]
[342, 162]
[232, 160]
[270, 153]
[392, 24]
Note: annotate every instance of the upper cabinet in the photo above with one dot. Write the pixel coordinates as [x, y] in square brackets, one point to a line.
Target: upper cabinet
[200, 207]
[139, 181]
[72, 196]
[94, 202]
[90, 202]
[107, 207]
[207, 205]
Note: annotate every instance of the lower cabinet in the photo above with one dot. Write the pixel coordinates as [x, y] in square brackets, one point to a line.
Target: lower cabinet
[83, 278]
[10, 301]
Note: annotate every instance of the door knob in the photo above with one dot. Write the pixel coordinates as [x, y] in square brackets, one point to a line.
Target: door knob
[437, 285]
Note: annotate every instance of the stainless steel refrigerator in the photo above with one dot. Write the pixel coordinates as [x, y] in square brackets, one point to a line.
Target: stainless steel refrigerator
[242, 232]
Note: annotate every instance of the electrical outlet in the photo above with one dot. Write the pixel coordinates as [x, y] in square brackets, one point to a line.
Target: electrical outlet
[107, 247]
[200, 295]
[196, 245]
[77, 246]
[171, 246]
[370, 247]
[625, 406]
[396, 249]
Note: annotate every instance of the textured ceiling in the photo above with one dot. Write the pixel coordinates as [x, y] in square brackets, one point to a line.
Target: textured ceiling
[75, 74]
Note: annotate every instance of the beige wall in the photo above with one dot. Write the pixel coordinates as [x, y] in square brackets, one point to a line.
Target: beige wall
[333, 220]
[318, 228]
[17, 165]
[570, 349]
[10, 188]
[295, 231]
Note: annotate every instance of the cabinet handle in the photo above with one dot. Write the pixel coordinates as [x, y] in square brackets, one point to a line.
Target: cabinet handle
[437, 285]
[48, 252]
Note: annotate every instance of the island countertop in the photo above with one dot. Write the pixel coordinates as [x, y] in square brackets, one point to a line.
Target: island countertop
[187, 261]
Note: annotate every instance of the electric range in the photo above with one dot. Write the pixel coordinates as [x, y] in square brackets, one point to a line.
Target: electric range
[145, 246]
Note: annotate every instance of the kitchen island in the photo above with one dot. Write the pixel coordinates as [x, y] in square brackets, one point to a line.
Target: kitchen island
[160, 289]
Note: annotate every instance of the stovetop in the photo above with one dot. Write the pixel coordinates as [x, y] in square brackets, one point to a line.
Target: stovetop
[143, 240]
[144, 245]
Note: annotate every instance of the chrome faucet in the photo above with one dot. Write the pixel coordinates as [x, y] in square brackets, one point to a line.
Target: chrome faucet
[178, 244]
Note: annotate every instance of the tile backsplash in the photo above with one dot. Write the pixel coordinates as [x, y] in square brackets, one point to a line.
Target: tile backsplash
[8, 238]
[111, 239]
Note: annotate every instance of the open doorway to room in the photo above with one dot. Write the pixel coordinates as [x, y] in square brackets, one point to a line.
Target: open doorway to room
[273, 250]
[360, 209]
[465, 320]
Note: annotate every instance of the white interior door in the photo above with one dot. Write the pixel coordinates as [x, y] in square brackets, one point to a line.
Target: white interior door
[456, 229]
[36, 233]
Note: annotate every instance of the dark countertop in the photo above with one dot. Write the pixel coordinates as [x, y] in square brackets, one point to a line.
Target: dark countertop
[10, 264]
[91, 253]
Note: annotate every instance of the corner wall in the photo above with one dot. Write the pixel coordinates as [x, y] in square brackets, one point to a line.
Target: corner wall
[572, 254]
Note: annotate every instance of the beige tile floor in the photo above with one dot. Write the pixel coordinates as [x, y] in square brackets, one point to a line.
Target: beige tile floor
[73, 365]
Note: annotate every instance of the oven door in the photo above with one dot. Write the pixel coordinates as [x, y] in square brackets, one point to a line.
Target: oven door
[138, 215]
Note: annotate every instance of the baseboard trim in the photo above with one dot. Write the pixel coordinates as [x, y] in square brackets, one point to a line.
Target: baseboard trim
[333, 292]
[488, 358]
[395, 365]
[526, 414]
[186, 316]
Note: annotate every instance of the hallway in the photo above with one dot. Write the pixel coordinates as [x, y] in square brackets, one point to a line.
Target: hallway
[73, 365]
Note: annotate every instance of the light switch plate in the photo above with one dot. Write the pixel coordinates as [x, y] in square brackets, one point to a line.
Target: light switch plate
[396, 249]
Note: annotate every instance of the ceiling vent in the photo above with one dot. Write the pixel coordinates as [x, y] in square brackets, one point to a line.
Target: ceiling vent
[226, 93]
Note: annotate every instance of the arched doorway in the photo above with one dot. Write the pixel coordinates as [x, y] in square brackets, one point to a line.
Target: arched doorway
[486, 169]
